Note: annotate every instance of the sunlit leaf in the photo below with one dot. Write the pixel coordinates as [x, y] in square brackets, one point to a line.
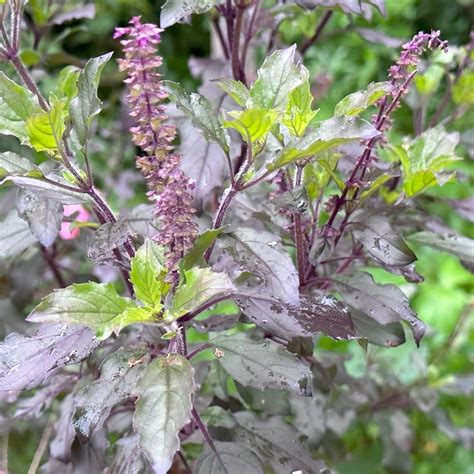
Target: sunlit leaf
[18, 104]
[235, 89]
[96, 305]
[148, 272]
[252, 124]
[355, 103]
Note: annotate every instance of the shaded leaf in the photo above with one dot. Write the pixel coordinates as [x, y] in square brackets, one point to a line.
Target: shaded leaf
[105, 239]
[96, 305]
[277, 77]
[94, 402]
[15, 165]
[262, 364]
[381, 241]
[232, 458]
[49, 190]
[201, 285]
[388, 335]
[203, 161]
[276, 442]
[195, 256]
[315, 313]
[261, 253]
[174, 11]
[357, 7]
[309, 416]
[128, 456]
[17, 104]
[458, 245]
[15, 236]
[200, 111]
[78, 12]
[354, 104]
[43, 216]
[25, 361]
[148, 272]
[383, 303]
[322, 136]
[86, 105]
[164, 406]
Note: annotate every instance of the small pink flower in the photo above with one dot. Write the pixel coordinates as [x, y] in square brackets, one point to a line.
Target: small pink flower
[80, 214]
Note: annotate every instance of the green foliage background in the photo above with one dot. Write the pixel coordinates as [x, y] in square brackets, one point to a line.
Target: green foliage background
[340, 63]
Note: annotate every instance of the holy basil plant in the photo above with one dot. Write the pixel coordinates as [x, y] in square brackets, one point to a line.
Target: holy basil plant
[263, 233]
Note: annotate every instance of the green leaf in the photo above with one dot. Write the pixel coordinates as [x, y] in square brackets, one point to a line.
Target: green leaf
[45, 129]
[164, 406]
[262, 364]
[49, 190]
[174, 11]
[12, 164]
[201, 285]
[463, 90]
[195, 257]
[232, 458]
[147, 273]
[354, 104]
[67, 83]
[15, 236]
[17, 104]
[96, 305]
[94, 402]
[298, 114]
[252, 124]
[324, 135]
[429, 80]
[458, 245]
[43, 215]
[277, 77]
[87, 104]
[425, 159]
[200, 111]
[235, 89]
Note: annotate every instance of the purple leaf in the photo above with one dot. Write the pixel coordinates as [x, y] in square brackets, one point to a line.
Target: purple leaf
[25, 361]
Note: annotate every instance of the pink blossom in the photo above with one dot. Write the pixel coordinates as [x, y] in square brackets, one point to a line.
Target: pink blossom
[169, 188]
[79, 214]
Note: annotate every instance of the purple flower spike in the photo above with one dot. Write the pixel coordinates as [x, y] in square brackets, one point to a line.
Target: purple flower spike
[169, 188]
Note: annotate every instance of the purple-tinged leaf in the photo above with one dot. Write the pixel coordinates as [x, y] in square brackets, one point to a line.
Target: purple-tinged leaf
[455, 244]
[315, 313]
[377, 37]
[388, 335]
[78, 12]
[93, 404]
[42, 214]
[128, 457]
[381, 241]
[276, 443]
[465, 208]
[164, 406]
[25, 361]
[383, 303]
[232, 458]
[60, 446]
[262, 364]
[262, 254]
[15, 236]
